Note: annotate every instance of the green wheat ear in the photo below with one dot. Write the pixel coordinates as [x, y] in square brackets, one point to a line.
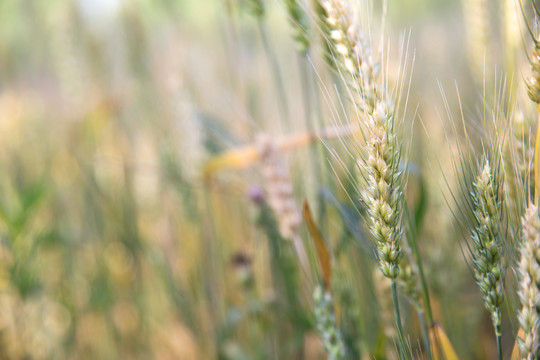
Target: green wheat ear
[519, 165]
[326, 324]
[383, 193]
[255, 7]
[487, 243]
[533, 82]
[408, 279]
[299, 22]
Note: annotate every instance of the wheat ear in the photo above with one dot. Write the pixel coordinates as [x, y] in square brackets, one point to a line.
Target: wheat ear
[279, 190]
[487, 246]
[326, 324]
[383, 187]
[529, 285]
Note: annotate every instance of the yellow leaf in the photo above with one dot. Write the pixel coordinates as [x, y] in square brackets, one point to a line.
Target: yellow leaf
[322, 251]
[441, 346]
[236, 158]
[245, 156]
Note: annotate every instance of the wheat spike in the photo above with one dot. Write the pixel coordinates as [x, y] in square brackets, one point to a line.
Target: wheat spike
[529, 284]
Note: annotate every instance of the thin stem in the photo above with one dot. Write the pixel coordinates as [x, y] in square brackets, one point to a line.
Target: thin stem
[425, 335]
[498, 334]
[317, 171]
[314, 151]
[398, 320]
[233, 38]
[283, 108]
[416, 253]
[499, 348]
[306, 89]
[211, 262]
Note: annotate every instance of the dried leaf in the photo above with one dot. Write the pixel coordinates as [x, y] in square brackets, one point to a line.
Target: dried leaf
[236, 158]
[322, 251]
[441, 346]
[245, 156]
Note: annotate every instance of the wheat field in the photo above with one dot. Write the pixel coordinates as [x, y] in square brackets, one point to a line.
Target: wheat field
[269, 179]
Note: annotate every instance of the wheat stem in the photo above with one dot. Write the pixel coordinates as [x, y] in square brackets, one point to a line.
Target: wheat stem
[499, 344]
[398, 320]
[416, 253]
[423, 283]
[283, 107]
[425, 334]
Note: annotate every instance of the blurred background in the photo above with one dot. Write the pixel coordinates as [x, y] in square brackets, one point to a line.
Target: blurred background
[120, 241]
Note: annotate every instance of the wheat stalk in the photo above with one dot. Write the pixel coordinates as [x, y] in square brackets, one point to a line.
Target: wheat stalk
[383, 180]
[476, 13]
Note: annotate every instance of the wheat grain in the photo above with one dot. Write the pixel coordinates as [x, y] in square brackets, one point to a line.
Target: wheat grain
[352, 52]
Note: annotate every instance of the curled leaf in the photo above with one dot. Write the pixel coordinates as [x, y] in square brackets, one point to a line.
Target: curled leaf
[322, 251]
